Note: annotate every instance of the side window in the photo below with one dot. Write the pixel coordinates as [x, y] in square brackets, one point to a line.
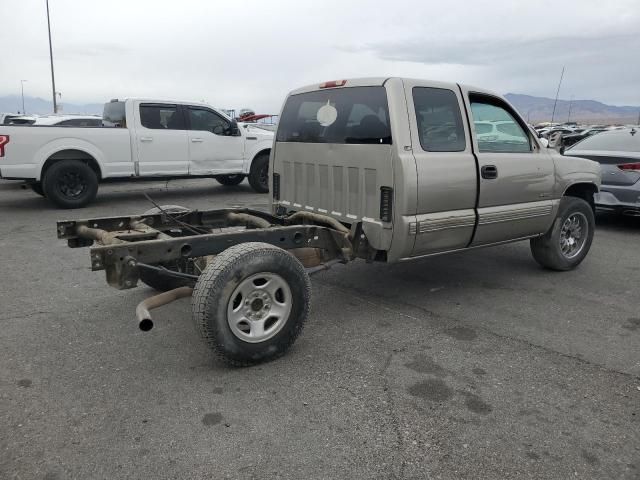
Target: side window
[440, 125]
[208, 121]
[161, 117]
[505, 133]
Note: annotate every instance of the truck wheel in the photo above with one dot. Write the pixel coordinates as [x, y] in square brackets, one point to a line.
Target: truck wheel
[259, 173]
[230, 180]
[251, 302]
[70, 184]
[157, 280]
[569, 239]
[37, 188]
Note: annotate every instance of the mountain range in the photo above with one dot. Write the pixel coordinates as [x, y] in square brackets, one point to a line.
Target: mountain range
[540, 109]
[533, 109]
[40, 106]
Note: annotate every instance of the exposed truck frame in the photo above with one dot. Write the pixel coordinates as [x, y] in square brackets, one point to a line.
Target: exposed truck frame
[128, 244]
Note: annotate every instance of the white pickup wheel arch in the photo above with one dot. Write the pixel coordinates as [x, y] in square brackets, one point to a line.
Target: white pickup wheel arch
[72, 154]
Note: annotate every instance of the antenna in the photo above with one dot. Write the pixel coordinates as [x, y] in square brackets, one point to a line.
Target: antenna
[570, 102]
[553, 115]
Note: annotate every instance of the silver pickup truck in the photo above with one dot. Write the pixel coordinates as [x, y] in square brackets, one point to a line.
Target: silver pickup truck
[381, 169]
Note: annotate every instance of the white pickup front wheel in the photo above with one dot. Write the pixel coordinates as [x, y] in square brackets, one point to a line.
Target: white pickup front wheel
[251, 302]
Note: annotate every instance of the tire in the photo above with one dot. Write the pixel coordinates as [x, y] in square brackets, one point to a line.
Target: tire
[157, 280]
[37, 188]
[70, 184]
[238, 276]
[569, 239]
[230, 180]
[259, 173]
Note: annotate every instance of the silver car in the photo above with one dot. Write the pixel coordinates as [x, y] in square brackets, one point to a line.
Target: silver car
[618, 152]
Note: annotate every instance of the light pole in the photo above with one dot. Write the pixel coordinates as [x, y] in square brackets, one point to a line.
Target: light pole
[22, 91]
[557, 93]
[53, 79]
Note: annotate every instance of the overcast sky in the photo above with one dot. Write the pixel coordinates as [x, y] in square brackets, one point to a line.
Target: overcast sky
[245, 53]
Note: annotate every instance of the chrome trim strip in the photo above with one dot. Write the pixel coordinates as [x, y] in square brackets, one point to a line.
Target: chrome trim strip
[515, 214]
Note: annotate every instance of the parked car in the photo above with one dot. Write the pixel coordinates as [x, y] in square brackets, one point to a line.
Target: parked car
[382, 169]
[149, 138]
[581, 134]
[18, 119]
[5, 118]
[70, 120]
[618, 153]
[496, 131]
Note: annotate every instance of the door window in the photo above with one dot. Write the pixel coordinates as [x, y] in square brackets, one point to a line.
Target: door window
[208, 121]
[507, 136]
[161, 117]
[439, 120]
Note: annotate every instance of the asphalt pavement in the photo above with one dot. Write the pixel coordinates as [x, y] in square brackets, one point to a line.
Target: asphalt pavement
[477, 365]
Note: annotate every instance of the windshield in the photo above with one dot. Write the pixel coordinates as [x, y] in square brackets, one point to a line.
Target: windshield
[338, 115]
[615, 141]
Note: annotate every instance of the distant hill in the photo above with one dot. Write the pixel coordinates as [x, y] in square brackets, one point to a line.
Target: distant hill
[539, 109]
[36, 105]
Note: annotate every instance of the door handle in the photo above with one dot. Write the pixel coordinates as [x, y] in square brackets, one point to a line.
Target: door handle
[489, 172]
[146, 139]
[197, 140]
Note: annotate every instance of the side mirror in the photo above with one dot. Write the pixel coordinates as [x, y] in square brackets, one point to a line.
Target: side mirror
[561, 150]
[544, 142]
[234, 130]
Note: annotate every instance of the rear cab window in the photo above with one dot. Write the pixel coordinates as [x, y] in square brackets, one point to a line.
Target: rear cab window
[114, 114]
[440, 126]
[350, 115]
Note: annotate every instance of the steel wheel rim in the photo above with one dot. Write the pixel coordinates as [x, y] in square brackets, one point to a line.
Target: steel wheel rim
[573, 235]
[259, 307]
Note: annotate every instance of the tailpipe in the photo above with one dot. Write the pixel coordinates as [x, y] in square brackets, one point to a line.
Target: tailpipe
[143, 314]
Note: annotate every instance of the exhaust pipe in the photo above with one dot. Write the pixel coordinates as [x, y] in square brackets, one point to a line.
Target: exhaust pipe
[143, 314]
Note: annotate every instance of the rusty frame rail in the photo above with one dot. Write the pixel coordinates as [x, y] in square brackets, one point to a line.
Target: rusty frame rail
[125, 241]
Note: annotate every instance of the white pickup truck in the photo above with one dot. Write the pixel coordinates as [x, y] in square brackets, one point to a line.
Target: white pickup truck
[140, 138]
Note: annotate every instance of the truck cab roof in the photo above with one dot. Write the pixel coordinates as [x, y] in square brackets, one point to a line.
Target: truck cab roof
[380, 81]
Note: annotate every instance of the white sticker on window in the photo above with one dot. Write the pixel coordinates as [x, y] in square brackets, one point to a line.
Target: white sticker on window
[327, 114]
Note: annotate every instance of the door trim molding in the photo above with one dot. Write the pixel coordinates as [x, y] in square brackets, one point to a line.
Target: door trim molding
[510, 213]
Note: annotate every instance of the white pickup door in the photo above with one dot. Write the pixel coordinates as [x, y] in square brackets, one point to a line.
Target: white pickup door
[161, 139]
[213, 148]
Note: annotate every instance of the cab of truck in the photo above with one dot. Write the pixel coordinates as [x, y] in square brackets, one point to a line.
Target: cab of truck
[403, 160]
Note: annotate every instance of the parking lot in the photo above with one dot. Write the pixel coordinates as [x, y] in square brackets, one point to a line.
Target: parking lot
[474, 365]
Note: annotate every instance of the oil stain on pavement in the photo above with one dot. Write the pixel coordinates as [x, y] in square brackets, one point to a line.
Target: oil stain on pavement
[212, 419]
[434, 390]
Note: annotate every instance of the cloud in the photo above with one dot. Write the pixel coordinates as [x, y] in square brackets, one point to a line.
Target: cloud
[250, 53]
[504, 50]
